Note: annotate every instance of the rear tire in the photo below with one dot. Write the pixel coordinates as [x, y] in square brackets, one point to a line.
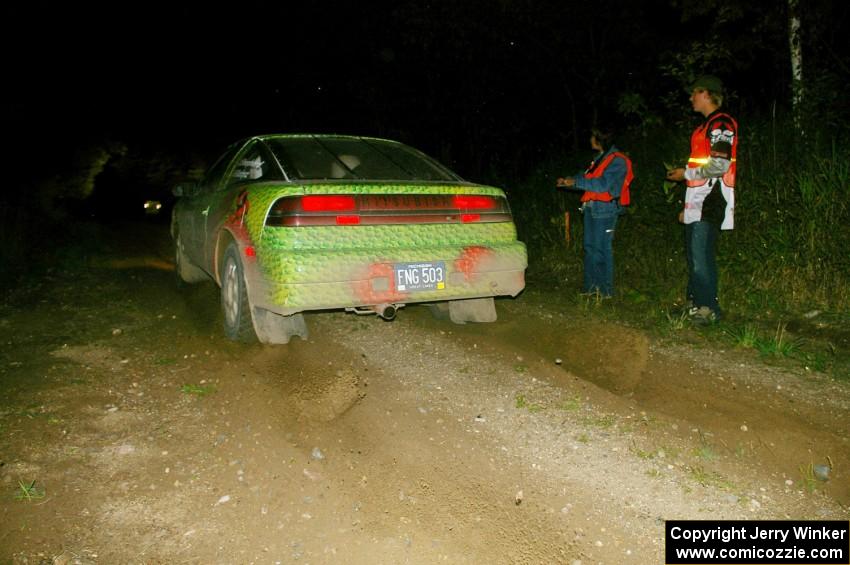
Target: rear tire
[238, 324]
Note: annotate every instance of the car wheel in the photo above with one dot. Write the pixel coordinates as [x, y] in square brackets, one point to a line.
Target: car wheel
[185, 270]
[238, 324]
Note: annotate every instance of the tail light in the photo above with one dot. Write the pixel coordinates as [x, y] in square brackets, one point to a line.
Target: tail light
[327, 203]
[473, 202]
[387, 209]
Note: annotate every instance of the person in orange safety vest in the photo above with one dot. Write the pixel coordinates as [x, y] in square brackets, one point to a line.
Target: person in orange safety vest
[606, 190]
[710, 195]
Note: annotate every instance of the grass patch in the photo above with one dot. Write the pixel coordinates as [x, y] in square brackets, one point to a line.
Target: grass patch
[199, 390]
[822, 362]
[808, 480]
[571, 405]
[603, 422]
[28, 491]
[710, 478]
[742, 451]
[676, 321]
[522, 402]
[705, 452]
[745, 336]
[779, 345]
[642, 453]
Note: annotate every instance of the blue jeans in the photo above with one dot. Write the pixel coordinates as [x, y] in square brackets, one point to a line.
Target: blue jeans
[701, 247]
[599, 252]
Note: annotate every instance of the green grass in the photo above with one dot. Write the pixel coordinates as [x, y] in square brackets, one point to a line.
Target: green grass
[743, 451]
[676, 321]
[708, 478]
[705, 452]
[745, 336]
[522, 402]
[822, 362]
[808, 481]
[604, 422]
[199, 390]
[642, 453]
[779, 344]
[571, 405]
[28, 491]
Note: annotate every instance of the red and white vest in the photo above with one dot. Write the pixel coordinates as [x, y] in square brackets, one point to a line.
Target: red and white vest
[699, 189]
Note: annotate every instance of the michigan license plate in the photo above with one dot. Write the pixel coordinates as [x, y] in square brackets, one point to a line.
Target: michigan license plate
[414, 277]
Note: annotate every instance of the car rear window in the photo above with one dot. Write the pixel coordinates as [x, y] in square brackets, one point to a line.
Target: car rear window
[321, 158]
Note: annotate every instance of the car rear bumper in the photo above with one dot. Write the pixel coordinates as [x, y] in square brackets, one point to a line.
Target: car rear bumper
[312, 280]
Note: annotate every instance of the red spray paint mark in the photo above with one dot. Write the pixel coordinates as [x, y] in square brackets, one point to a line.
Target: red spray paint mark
[470, 259]
[240, 206]
[235, 221]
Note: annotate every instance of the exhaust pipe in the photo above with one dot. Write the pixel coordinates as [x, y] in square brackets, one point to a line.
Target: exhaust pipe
[386, 311]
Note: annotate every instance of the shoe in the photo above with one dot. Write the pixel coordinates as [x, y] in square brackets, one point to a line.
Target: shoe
[702, 315]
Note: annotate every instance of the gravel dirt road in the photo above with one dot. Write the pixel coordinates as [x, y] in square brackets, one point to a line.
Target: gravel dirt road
[134, 432]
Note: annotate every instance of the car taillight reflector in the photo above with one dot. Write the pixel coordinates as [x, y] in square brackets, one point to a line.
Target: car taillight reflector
[327, 203]
[473, 202]
[467, 218]
[347, 220]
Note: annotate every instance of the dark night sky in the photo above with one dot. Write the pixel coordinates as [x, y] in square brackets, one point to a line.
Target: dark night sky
[457, 79]
[384, 67]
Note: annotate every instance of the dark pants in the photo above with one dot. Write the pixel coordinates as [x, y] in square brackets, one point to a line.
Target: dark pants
[701, 246]
[599, 253]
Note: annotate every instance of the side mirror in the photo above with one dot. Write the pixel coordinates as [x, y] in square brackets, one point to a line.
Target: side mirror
[188, 188]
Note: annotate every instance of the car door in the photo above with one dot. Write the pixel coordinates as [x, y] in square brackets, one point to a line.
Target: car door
[195, 210]
[184, 219]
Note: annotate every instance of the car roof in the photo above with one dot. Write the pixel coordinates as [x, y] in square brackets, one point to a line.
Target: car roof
[321, 136]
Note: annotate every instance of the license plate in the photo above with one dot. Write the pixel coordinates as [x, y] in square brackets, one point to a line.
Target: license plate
[413, 277]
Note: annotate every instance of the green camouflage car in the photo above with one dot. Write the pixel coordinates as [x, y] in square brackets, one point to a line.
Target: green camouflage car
[290, 223]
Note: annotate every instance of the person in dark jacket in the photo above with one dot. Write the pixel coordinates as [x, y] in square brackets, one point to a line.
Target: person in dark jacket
[606, 190]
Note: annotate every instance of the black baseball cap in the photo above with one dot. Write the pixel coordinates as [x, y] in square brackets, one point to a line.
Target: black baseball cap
[710, 83]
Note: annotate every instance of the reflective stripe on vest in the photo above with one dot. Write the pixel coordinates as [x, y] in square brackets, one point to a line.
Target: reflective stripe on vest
[625, 197]
[701, 151]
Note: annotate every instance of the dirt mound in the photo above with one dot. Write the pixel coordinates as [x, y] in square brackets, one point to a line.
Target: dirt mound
[624, 354]
[326, 399]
